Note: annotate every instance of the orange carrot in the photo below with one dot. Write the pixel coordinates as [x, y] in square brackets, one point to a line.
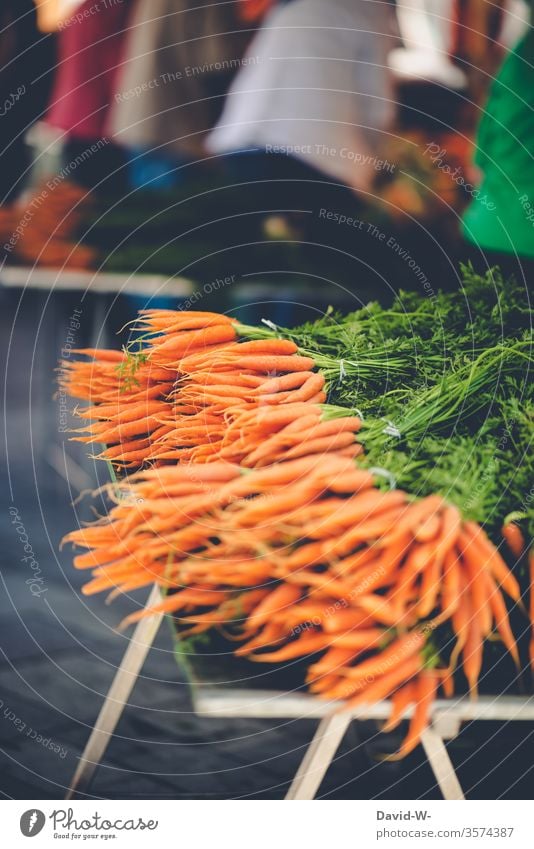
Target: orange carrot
[281, 597]
[187, 340]
[305, 644]
[268, 363]
[308, 389]
[476, 582]
[385, 684]
[498, 567]
[396, 653]
[500, 614]
[472, 654]
[104, 354]
[424, 695]
[399, 703]
[514, 539]
[414, 513]
[284, 383]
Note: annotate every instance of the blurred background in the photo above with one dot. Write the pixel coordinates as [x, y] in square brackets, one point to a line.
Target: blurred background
[269, 159]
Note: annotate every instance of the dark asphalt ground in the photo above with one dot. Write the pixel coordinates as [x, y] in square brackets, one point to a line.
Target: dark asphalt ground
[59, 650]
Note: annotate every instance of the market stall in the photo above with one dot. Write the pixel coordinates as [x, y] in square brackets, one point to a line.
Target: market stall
[323, 507]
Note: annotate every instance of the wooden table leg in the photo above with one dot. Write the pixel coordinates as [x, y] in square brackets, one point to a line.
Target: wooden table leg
[441, 764]
[117, 697]
[319, 756]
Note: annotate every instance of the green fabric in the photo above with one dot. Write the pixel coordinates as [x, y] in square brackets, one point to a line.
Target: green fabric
[501, 215]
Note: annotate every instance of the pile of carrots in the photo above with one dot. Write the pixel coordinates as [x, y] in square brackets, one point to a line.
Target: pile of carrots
[248, 509]
[194, 392]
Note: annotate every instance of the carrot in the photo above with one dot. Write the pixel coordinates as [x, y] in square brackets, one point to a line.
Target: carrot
[301, 613]
[111, 560]
[214, 473]
[500, 614]
[332, 660]
[282, 596]
[379, 571]
[263, 509]
[322, 683]
[399, 703]
[104, 354]
[285, 473]
[132, 459]
[274, 398]
[310, 416]
[269, 420]
[305, 644]
[273, 632]
[201, 360]
[128, 429]
[384, 685]
[268, 363]
[472, 654]
[216, 390]
[359, 641]
[451, 584]
[187, 340]
[307, 555]
[135, 411]
[319, 398]
[497, 566]
[309, 427]
[343, 621]
[514, 539]
[323, 445]
[430, 587]
[117, 450]
[351, 564]
[447, 683]
[207, 378]
[183, 315]
[429, 528]
[332, 427]
[424, 694]
[353, 451]
[261, 346]
[177, 601]
[415, 512]
[176, 323]
[396, 653]
[474, 567]
[282, 384]
[460, 621]
[366, 504]
[379, 607]
[350, 481]
[313, 385]
[321, 583]
[378, 525]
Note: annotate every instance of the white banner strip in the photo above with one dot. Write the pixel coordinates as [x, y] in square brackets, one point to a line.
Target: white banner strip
[236, 824]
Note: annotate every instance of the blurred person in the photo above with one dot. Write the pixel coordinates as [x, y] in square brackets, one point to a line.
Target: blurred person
[90, 38]
[498, 225]
[181, 57]
[315, 91]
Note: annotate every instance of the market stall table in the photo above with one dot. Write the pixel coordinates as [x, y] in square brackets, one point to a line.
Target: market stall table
[446, 718]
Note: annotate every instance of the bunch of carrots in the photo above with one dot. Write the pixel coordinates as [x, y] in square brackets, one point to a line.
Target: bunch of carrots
[194, 391]
[247, 508]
